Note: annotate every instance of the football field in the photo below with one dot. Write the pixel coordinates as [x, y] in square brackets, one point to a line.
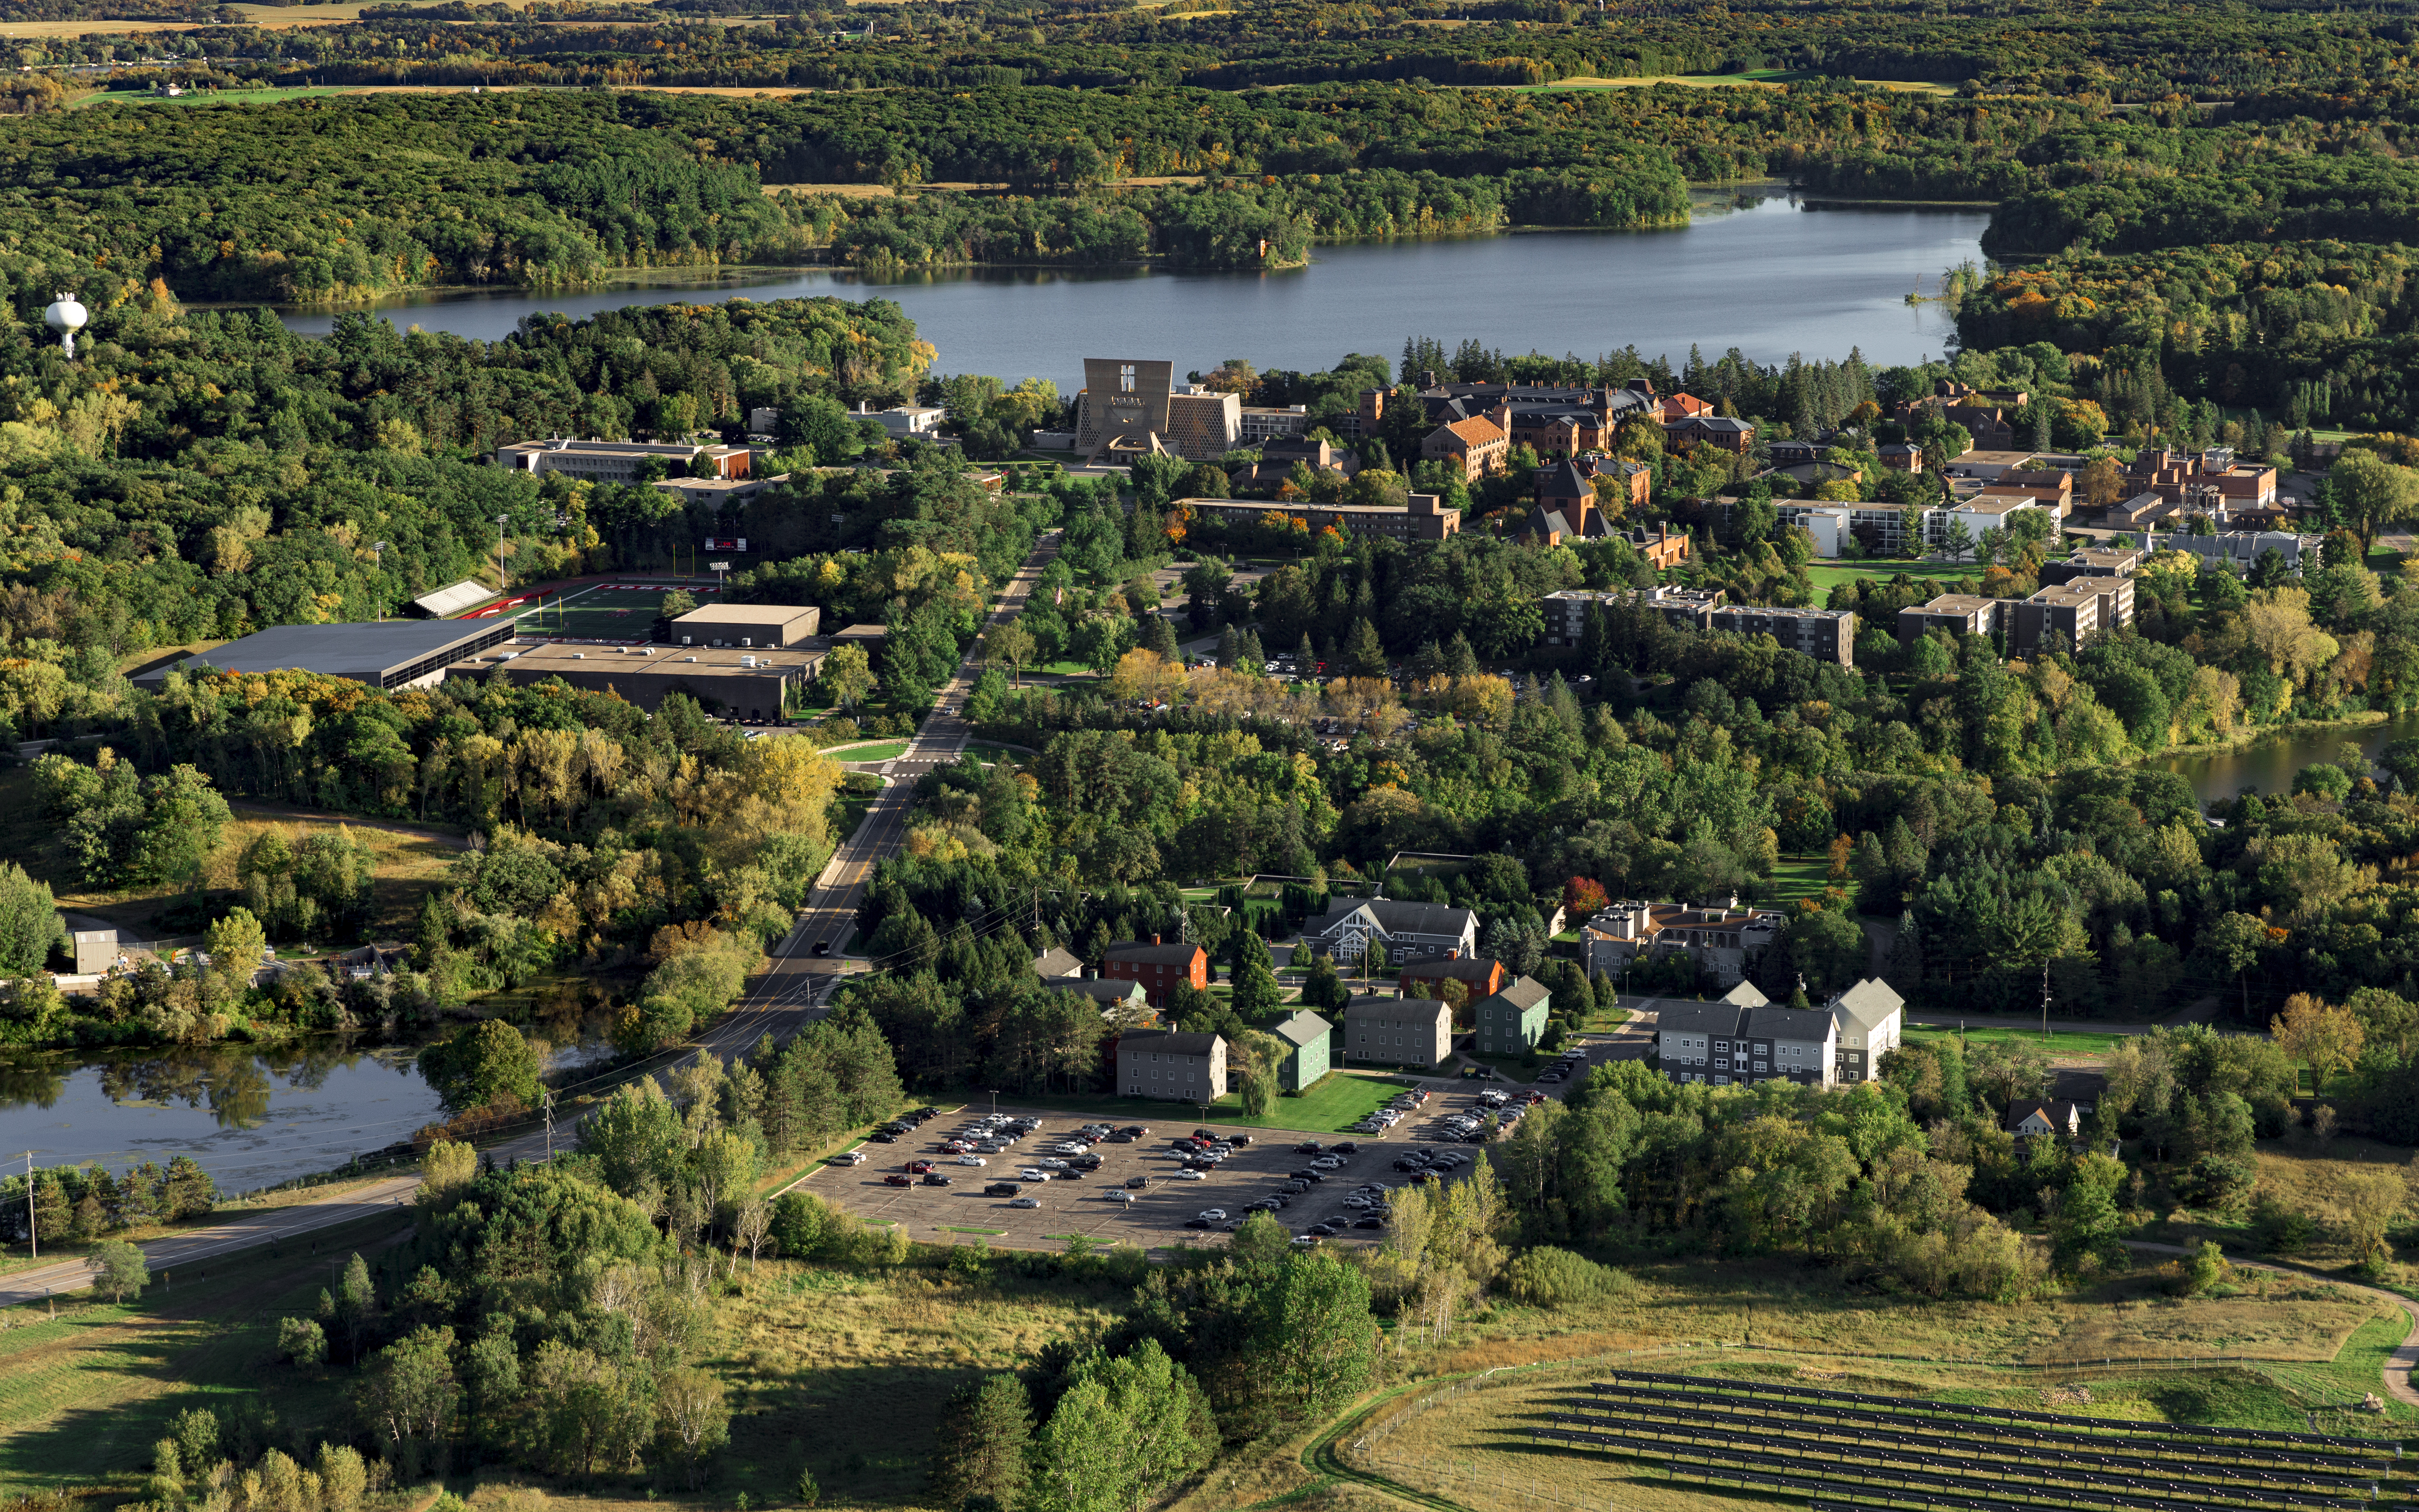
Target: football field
[624, 609]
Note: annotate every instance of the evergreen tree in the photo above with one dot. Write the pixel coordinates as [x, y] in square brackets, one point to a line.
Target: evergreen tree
[984, 1433]
[1460, 657]
[1160, 639]
[1365, 654]
[1306, 656]
[1230, 647]
[1251, 649]
[1906, 956]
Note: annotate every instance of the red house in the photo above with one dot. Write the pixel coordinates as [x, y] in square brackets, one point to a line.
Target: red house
[1157, 966]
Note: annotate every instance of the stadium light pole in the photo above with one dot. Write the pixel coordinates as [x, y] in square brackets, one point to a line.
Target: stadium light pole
[378, 550]
[503, 583]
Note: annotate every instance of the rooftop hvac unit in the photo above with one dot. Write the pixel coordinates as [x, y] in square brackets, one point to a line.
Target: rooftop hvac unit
[686, 641]
[747, 640]
[747, 661]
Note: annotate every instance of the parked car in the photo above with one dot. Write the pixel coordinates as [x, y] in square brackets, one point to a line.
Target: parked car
[1188, 1176]
[1033, 1173]
[898, 1178]
[1117, 1193]
[972, 1159]
[1308, 1147]
[1002, 1189]
[935, 1179]
[849, 1157]
[917, 1167]
[1196, 1223]
[1025, 1202]
[1138, 1182]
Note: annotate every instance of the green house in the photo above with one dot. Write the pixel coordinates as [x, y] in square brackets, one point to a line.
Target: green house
[1512, 1022]
[1308, 1034]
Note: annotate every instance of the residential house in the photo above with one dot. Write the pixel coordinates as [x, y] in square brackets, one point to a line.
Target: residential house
[1480, 976]
[1408, 931]
[1905, 456]
[1477, 446]
[1723, 939]
[1869, 1019]
[2032, 1119]
[1511, 1022]
[1309, 1042]
[1179, 1067]
[1157, 966]
[1058, 964]
[1740, 1043]
[1397, 1031]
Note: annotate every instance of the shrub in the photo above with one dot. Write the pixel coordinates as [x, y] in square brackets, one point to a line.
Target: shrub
[2278, 1229]
[303, 1341]
[1547, 1276]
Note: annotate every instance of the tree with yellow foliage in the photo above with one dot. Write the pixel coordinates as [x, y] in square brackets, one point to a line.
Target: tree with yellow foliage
[2319, 1035]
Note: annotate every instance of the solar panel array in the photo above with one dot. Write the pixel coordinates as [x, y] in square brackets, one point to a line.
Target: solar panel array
[1830, 1445]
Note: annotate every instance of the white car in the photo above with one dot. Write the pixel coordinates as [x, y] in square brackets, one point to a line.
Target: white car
[1215, 1216]
[1051, 1164]
[852, 1157]
[1118, 1194]
[972, 1159]
[1186, 1175]
[1033, 1173]
[1025, 1202]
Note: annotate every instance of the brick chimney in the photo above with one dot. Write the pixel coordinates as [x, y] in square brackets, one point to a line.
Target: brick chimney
[1154, 939]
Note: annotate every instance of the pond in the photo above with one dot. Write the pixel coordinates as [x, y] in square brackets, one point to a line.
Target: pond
[2268, 766]
[253, 1117]
[1765, 270]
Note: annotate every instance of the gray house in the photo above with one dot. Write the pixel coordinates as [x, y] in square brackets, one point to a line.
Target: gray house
[1397, 1031]
[1410, 932]
[1310, 1039]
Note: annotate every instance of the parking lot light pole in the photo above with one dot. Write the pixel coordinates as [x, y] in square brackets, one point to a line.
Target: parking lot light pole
[994, 1102]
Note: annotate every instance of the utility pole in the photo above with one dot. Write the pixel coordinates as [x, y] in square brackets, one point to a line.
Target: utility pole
[33, 1234]
[2045, 1000]
[503, 583]
[549, 1101]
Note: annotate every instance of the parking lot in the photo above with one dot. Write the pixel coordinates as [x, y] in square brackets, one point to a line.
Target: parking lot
[1159, 1211]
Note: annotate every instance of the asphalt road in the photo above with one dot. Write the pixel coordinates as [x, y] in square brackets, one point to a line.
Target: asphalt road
[196, 1247]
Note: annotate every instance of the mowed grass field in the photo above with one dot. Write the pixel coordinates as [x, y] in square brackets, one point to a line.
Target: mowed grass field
[2062, 1044]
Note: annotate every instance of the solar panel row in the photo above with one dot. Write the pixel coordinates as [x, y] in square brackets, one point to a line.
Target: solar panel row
[2386, 1447]
[1730, 1415]
[1937, 1490]
[1970, 1476]
[1918, 1433]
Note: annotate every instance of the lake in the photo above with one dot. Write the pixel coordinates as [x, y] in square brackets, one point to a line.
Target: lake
[1765, 271]
[2270, 766]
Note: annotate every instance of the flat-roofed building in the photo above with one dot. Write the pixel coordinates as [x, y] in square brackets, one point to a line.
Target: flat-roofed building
[718, 494]
[1823, 634]
[1956, 613]
[748, 625]
[2092, 562]
[747, 684]
[620, 461]
[2078, 611]
[1683, 608]
[390, 654]
[1721, 938]
[1259, 423]
[1422, 517]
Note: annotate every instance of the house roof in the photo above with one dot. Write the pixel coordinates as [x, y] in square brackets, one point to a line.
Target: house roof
[1145, 953]
[1746, 994]
[1722, 425]
[1058, 962]
[1395, 917]
[1460, 967]
[1548, 522]
[1102, 989]
[2057, 1112]
[1523, 993]
[1866, 1004]
[1563, 480]
[1476, 431]
[1302, 1031]
[1160, 1041]
[1731, 1019]
[1375, 1007]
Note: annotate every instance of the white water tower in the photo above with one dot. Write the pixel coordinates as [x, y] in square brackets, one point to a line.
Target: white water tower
[66, 317]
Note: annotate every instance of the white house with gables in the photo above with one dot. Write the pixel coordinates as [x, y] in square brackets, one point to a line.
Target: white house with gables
[1410, 932]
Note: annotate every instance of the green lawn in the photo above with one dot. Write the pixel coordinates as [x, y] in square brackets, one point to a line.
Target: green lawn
[2063, 1039]
[880, 750]
[1830, 575]
[1798, 876]
[1335, 1102]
